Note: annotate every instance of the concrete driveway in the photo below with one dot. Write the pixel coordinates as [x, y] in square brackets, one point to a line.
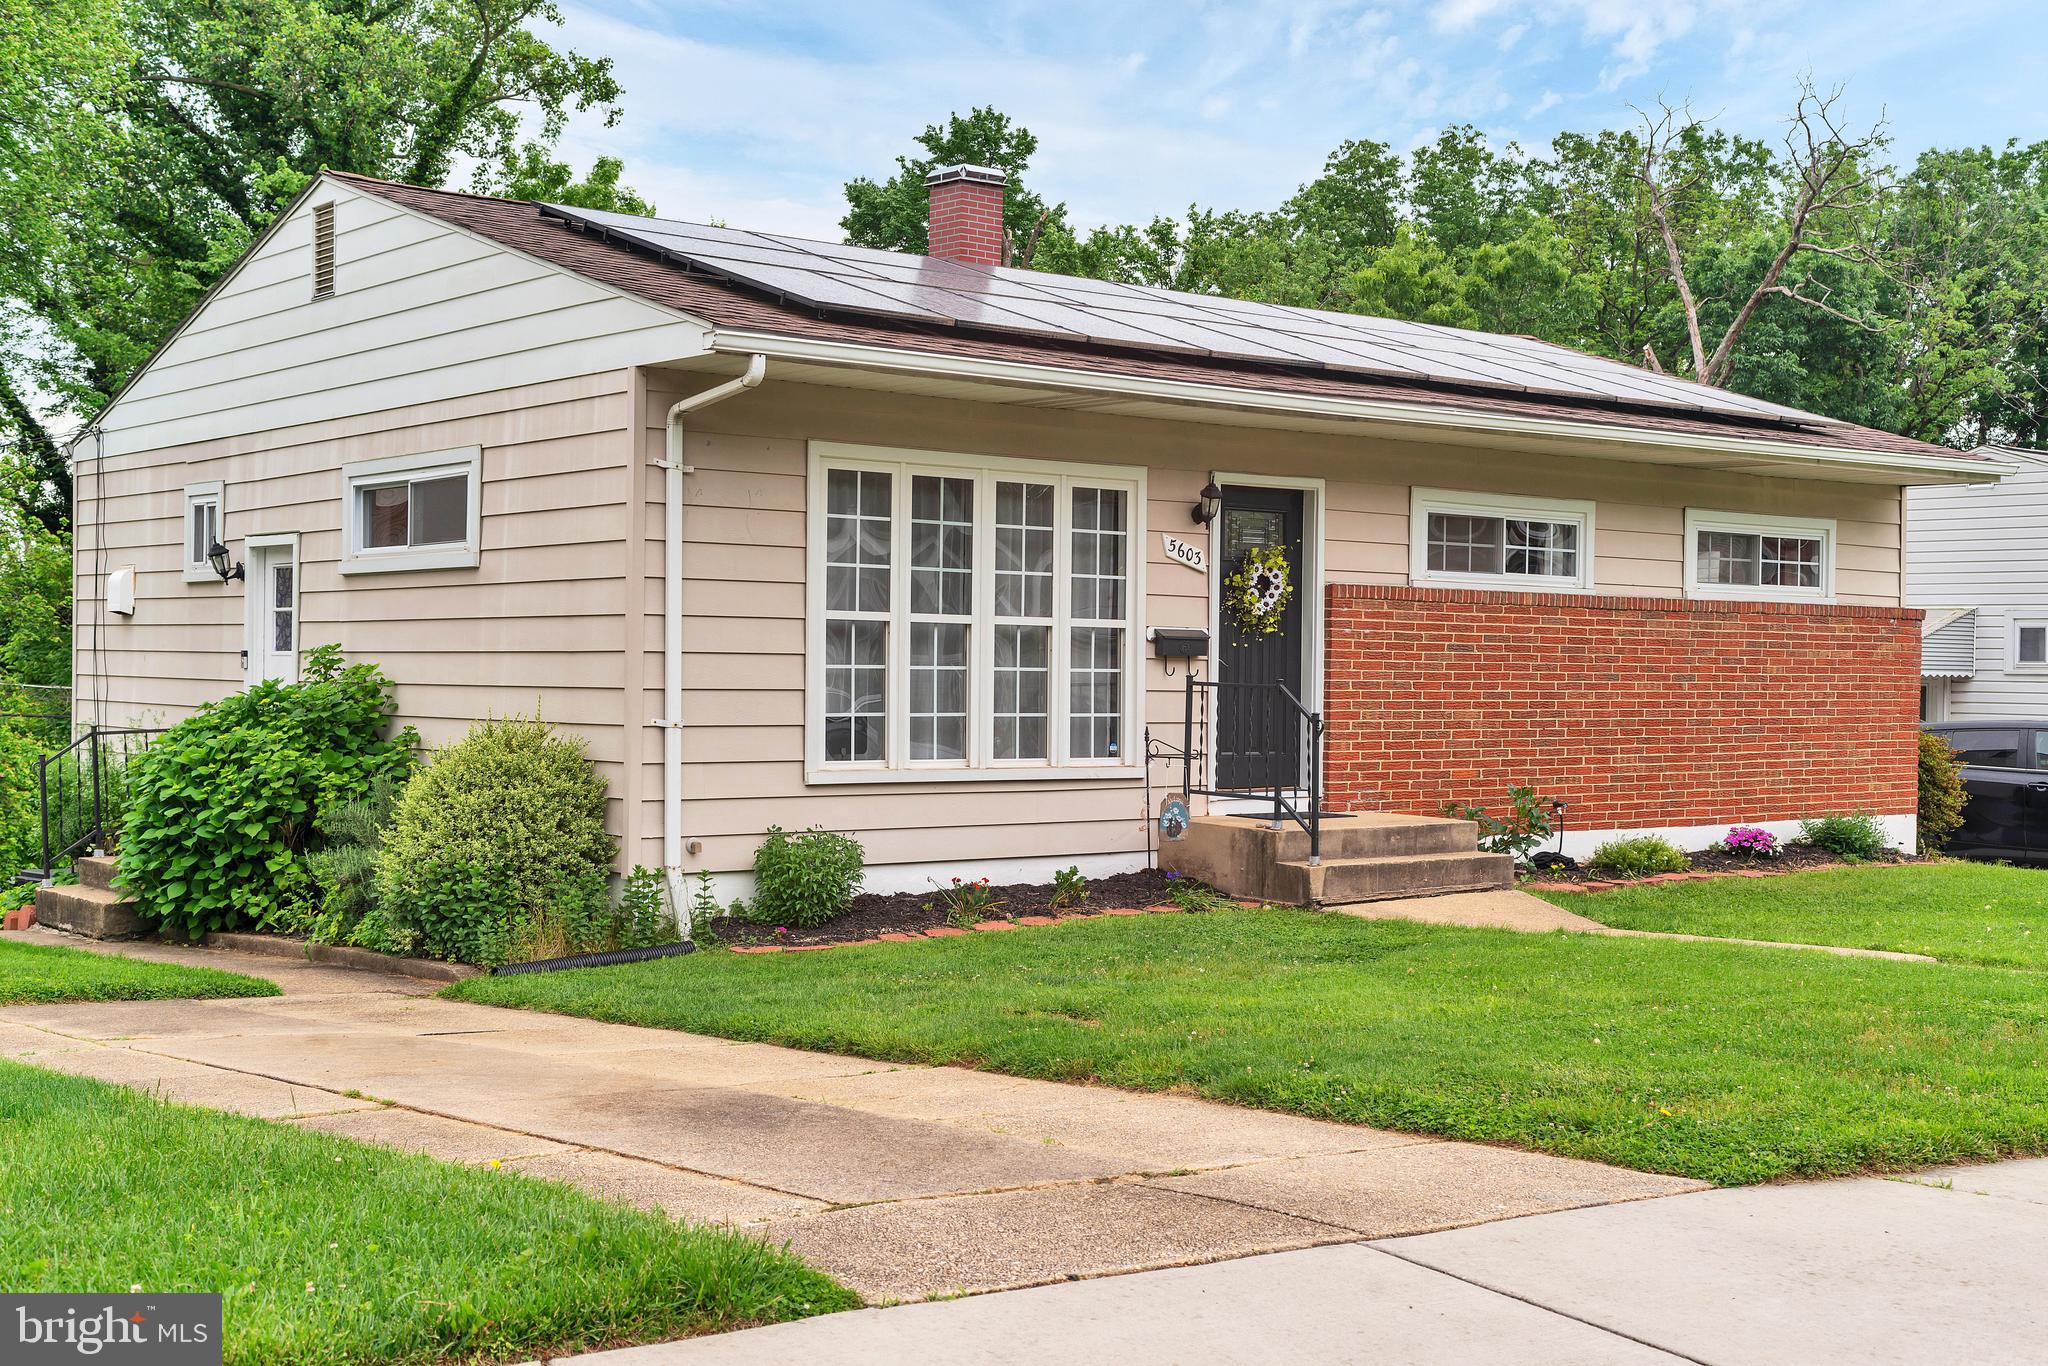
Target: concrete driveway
[1943, 1268]
[905, 1182]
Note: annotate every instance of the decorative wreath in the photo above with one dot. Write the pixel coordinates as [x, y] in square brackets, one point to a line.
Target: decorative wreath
[1258, 592]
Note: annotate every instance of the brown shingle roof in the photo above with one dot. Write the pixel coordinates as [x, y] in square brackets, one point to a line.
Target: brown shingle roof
[521, 225]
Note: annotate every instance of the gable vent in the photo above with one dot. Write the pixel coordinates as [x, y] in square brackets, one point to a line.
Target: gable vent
[323, 251]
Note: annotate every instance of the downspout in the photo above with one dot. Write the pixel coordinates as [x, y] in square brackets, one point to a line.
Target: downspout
[671, 722]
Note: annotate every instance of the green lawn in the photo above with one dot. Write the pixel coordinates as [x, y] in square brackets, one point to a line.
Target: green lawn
[1980, 913]
[333, 1251]
[32, 974]
[1728, 1063]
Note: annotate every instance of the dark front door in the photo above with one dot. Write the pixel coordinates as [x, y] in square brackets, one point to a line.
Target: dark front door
[1257, 733]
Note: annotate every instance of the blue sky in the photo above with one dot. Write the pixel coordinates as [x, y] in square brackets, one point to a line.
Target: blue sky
[755, 113]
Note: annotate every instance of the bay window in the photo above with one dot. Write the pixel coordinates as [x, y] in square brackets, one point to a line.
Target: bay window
[970, 617]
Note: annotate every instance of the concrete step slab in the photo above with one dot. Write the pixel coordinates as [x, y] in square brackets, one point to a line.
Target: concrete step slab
[96, 870]
[1336, 882]
[94, 912]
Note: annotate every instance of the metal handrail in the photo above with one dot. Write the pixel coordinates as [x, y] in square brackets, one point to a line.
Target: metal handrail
[89, 750]
[1307, 814]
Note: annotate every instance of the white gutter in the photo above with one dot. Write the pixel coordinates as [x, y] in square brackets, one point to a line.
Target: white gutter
[1957, 468]
[671, 722]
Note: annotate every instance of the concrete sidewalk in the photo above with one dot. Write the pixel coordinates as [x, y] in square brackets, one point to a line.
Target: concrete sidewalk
[1944, 1267]
[905, 1182]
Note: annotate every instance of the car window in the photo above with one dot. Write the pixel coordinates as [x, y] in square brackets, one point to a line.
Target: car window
[1989, 748]
[2041, 749]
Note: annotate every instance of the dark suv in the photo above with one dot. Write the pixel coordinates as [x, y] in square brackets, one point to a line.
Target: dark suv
[2005, 771]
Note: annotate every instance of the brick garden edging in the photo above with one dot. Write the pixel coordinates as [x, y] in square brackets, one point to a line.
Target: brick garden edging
[1608, 886]
[951, 932]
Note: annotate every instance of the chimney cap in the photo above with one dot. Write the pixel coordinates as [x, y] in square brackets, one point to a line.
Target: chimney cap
[973, 175]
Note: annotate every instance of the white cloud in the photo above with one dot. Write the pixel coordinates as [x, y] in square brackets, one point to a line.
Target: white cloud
[1549, 101]
[1509, 36]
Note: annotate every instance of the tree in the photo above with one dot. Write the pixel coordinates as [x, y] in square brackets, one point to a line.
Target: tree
[184, 126]
[895, 214]
[532, 173]
[1832, 186]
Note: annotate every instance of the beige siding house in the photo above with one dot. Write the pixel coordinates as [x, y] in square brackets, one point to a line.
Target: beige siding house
[924, 532]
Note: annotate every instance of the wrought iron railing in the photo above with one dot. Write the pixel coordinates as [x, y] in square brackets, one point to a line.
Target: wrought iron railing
[82, 791]
[1270, 729]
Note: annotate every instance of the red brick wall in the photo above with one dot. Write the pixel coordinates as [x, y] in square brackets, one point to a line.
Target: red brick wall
[967, 222]
[1638, 711]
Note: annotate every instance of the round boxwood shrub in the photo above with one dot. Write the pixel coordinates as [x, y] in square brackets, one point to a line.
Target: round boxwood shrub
[805, 879]
[1639, 856]
[499, 840]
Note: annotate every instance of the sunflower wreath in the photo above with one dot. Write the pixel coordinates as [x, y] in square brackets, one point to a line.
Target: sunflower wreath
[1258, 592]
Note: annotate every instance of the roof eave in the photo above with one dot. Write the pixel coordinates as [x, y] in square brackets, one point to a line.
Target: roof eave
[1608, 436]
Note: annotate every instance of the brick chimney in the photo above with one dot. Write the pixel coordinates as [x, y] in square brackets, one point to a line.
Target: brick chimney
[967, 214]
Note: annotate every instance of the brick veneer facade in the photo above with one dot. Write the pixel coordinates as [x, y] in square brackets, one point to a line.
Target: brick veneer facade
[1640, 712]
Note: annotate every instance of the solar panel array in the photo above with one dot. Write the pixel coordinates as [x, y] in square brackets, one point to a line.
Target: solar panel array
[843, 279]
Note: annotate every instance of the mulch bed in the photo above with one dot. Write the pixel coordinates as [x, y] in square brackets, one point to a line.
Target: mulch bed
[875, 914]
[1708, 863]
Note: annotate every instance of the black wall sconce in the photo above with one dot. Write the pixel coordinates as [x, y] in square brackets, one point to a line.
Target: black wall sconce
[1211, 503]
[217, 557]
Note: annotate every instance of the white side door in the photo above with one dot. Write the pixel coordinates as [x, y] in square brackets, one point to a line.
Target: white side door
[273, 612]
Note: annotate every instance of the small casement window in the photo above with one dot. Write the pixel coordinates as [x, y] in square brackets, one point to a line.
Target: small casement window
[971, 620]
[412, 512]
[203, 527]
[2030, 642]
[1987, 748]
[323, 251]
[1742, 556]
[1500, 541]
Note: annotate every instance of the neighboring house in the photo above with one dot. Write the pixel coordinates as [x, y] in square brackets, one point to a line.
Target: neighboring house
[896, 572]
[1977, 561]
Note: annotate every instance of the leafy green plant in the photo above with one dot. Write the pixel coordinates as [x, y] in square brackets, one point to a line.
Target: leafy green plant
[344, 863]
[498, 845]
[643, 918]
[220, 808]
[1069, 888]
[1853, 838]
[704, 903]
[21, 844]
[1942, 796]
[805, 879]
[1638, 856]
[967, 903]
[1189, 895]
[1526, 825]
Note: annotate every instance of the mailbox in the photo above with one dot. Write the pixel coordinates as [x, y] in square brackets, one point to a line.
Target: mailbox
[1180, 642]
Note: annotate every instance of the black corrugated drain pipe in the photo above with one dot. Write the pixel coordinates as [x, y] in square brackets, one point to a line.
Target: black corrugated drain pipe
[595, 960]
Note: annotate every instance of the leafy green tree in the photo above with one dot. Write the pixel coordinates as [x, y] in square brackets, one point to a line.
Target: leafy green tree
[895, 214]
[186, 124]
[533, 174]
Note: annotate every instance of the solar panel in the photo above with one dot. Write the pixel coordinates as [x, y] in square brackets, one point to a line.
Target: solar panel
[838, 278]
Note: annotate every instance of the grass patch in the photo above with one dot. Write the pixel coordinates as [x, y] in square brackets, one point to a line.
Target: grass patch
[1986, 914]
[1727, 1063]
[35, 974]
[331, 1251]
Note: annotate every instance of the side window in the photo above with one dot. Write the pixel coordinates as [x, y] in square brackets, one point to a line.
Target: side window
[203, 505]
[1989, 748]
[2041, 749]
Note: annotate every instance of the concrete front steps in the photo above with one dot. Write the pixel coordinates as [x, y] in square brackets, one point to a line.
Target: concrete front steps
[1370, 856]
[92, 908]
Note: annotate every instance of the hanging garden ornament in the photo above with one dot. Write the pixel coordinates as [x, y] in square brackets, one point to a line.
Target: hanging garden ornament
[1258, 592]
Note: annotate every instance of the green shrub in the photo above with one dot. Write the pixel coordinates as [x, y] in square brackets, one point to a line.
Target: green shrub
[498, 845]
[805, 879]
[1639, 856]
[1854, 837]
[1069, 888]
[21, 840]
[344, 865]
[1941, 792]
[643, 918]
[1526, 825]
[220, 808]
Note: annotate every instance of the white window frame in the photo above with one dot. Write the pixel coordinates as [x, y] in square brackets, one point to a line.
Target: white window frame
[357, 558]
[1699, 520]
[214, 495]
[979, 764]
[1423, 502]
[2013, 662]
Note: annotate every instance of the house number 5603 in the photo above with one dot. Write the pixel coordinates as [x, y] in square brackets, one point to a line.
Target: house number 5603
[1186, 552]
